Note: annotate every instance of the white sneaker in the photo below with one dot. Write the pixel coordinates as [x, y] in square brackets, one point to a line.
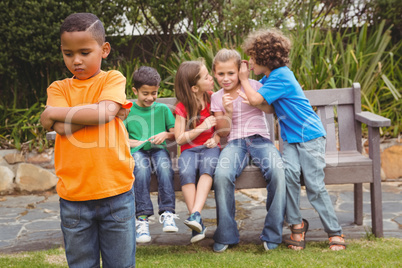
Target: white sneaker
[169, 225]
[142, 231]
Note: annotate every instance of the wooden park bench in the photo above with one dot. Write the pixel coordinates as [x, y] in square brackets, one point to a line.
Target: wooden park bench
[341, 115]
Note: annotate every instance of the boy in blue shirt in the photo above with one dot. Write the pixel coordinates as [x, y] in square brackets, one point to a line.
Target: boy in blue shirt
[302, 133]
[149, 124]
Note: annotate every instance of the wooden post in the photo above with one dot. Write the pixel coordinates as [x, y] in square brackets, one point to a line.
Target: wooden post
[375, 186]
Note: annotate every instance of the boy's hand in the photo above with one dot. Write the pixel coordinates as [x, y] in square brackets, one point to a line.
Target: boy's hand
[135, 143]
[244, 72]
[158, 138]
[45, 120]
[123, 113]
[264, 106]
[244, 97]
[227, 103]
[209, 122]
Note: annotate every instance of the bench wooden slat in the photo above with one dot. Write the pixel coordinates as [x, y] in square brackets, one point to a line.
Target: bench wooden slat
[326, 114]
[346, 128]
[337, 96]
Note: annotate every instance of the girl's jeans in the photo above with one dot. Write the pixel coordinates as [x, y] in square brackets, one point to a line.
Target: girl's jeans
[99, 227]
[308, 158]
[232, 160]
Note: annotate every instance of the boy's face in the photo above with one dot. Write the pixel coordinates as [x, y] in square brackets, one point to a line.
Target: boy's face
[227, 75]
[146, 95]
[257, 69]
[82, 54]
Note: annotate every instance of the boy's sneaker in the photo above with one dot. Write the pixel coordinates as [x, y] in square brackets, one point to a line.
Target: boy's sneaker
[194, 222]
[142, 231]
[219, 248]
[167, 218]
[270, 246]
[198, 236]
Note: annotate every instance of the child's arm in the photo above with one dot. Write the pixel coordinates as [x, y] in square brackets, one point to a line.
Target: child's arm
[134, 143]
[264, 106]
[183, 136]
[123, 113]
[161, 137]
[253, 97]
[224, 120]
[213, 142]
[65, 128]
[91, 114]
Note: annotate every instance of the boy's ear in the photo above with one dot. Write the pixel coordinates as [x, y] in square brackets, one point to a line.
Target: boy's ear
[135, 91]
[106, 49]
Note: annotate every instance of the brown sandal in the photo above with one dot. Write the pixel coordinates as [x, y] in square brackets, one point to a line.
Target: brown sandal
[337, 243]
[303, 231]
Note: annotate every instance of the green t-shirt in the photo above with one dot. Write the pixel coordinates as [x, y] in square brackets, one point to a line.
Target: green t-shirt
[145, 122]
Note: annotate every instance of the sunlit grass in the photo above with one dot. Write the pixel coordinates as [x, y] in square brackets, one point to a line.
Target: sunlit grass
[360, 253]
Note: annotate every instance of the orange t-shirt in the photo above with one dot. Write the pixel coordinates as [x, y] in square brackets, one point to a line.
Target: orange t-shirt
[94, 162]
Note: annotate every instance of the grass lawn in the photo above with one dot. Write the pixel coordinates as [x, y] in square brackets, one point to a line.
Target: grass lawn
[360, 253]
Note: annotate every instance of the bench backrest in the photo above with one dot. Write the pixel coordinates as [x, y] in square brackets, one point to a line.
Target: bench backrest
[336, 109]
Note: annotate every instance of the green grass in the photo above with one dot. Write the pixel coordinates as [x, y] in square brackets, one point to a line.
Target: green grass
[360, 253]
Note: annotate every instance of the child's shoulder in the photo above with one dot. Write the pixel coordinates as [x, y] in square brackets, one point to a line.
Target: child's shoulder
[281, 72]
[217, 93]
[160, 105]
[254, 83]
[112, 74]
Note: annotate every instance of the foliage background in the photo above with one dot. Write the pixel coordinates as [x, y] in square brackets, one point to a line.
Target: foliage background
[335, 43]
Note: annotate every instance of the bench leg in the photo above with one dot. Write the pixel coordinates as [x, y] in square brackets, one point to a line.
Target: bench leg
[358, 198]
[375, 186]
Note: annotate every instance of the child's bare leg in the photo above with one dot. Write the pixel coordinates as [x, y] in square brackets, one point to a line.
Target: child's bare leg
[203, 187]
[189, 194]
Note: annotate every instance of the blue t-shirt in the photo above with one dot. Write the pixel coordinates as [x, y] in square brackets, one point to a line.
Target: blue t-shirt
[298, 121]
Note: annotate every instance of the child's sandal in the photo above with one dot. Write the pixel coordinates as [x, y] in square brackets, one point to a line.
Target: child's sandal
[303, 231]
[333, 243]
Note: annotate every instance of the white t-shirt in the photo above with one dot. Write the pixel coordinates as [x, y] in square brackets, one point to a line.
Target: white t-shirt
[246, 120]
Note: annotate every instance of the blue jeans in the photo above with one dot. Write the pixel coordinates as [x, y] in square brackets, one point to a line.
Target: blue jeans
[197, 161]
[233, 159]
[146, 162]
[99, 227]
[308, 158]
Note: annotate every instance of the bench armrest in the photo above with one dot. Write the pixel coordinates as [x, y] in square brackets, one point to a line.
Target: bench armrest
[372, 120]
[51, 136]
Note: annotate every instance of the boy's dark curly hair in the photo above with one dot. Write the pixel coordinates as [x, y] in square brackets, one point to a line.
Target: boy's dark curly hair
[146, 76]
[269, 47]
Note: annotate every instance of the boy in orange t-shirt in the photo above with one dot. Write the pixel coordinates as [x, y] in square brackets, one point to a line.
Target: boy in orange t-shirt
[92, 153]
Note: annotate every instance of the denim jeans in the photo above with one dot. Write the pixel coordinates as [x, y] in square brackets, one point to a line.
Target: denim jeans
[146, 162]
[196, 161]
[103, 227]
[233, 159]
[308, 158]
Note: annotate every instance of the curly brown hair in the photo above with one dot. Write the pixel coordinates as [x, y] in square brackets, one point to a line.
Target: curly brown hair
[269, 47]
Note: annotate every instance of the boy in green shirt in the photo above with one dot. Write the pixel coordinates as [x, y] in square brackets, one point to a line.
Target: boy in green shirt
[149, 124]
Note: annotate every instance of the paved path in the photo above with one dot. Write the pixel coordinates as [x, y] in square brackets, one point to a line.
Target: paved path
[33, 223]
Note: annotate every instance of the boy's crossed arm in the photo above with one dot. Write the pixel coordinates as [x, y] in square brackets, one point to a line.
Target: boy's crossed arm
[67, 120]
